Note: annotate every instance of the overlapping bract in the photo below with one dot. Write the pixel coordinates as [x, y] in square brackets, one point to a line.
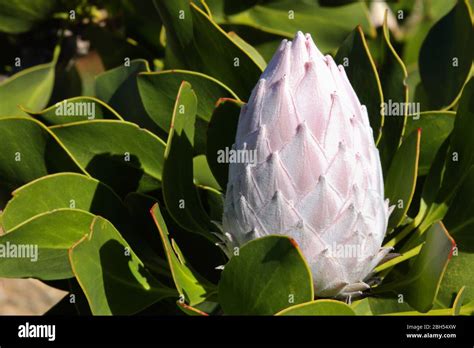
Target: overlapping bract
[317, 175]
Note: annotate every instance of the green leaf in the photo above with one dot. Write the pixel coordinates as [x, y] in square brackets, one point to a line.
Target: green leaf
[158, 92]
[446, 56]
[191, 287]
[120, 154]
[458, 301]
[268, 275]
[429, 212]
[436, 126]
[462, 141]
[421, 284]
[118, 88]
[17, 16]
[214, 201]
[401, 178]
[30, 88]
[219, 9]
[355, 56]
[50, 235]
[141, 234]
[388, 305]
[202, 173]
[179, 192]
[467, 309]
[251, 51]
[30, 151]
[451, 168]
[63, 190]
[74, 110]
[395, 91]
[221, 135]
[460, 222]
[362, 307]
[318, 307]
[413, 82]
[108, 271]
[414, 38]
[198, 43]
[264, 42]
[65, 307]
[398, 259]
[328, 25]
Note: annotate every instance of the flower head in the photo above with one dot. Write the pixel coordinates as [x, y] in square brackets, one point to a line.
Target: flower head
[317, 176]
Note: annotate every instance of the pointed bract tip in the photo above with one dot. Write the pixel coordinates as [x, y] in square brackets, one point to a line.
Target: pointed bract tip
[299, 36]
[302, 127]
[322, 178]
[308, 66]
[274, 156]
[330, 61]
[277, 196]
[282, 45]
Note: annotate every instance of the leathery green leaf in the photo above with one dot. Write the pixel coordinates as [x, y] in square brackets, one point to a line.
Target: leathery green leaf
[395, 91]
[108, 270]
[267, 275]
[30, 151]
[179, 192]
[420, 285]
[43, 241]
[197, 43]
[120, 154]
[446, 56]
[74, 110]
[61, 190]
[158, 92]
[221, 136]
[401, 178]
[355, 56]
[30, 88]
[436, 126]
[319, 307]
[191, 287]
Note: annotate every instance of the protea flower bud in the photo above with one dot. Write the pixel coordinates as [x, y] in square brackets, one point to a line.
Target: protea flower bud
[317, 176]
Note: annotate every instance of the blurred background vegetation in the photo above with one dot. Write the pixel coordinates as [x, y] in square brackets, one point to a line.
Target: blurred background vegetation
[96, 35]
